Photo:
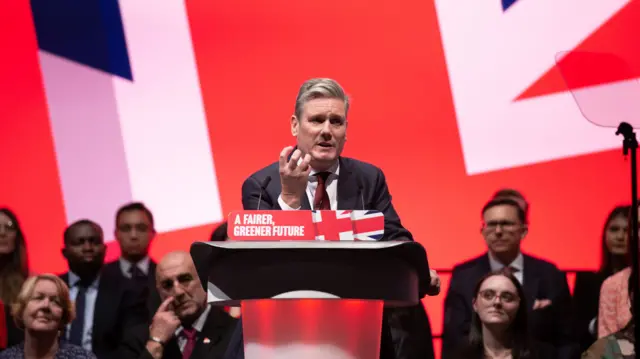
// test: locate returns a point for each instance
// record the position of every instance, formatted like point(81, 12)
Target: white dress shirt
point(89, 307)
point(197, 325)
point(331, 185)
point(517, 264)
point(125, 266)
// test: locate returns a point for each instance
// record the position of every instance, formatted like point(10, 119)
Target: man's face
point(321, 130)
point(85, 248)
point(134, 232)
point(177, 277)
point(502, 229)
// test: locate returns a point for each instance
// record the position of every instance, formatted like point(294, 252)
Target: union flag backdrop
point(175, 102)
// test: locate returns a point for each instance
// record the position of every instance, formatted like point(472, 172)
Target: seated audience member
point(613, 309)
point(185, 326)
point(547, 293)
point(14, 269)
point(43, 309)
point(499, 326)
point(135, 232)
point(106, 307)
point(586, 293)
point(620, 344)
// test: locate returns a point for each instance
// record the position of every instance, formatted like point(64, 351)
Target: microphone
point(361, 190)
point(263, 186)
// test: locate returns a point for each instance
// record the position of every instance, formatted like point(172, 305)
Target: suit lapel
point(103, 313)
point(213, 333)
point(172, 350)
point(531, 281)
point(348, 192)
point(305, 201)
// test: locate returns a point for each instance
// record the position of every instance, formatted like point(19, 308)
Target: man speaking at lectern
point(313, 175)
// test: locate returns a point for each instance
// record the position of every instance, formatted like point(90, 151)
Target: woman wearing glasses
point(499, 322)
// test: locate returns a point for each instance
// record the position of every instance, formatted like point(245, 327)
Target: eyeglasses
point(505, 225)
point(505, 297)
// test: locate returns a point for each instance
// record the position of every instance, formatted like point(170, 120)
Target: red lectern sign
point(306, 225)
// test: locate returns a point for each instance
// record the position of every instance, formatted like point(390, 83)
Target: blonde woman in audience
point(499, 323)
point(43, 309)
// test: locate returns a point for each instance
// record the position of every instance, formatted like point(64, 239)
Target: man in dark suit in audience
point(106, 308)
point(314, 175)
point(546, 289)
point(185, 326)
point(134, 232)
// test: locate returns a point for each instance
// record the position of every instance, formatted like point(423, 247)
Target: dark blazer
point(118, 308)
point(542, 280)
point(212, 342)
point(113, 271)
point(374, 194)
point(360, 186)
point(586, 298)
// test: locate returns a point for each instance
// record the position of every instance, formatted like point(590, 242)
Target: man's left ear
point(525, 231)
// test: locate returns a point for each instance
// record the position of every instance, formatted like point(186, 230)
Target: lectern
point(312, 299)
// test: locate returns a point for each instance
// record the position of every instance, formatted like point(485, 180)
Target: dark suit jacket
point(373, 196)
point(586, 297)
point(118, 308)
point(113, 271)
point(542, 280)
point(360, 186)
point(212, 342)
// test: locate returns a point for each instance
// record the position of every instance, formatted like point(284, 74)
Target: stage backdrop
point(174, 103)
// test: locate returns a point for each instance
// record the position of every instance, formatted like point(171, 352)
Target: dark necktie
point(136, 274)
point(77, 326)
point(190, 334)
point(321, 198)
point(509, 270)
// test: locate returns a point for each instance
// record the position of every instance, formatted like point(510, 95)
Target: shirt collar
point(517, 263)
point(199, 323)
point(334, 170)
point(74, 279)
point(143, 265)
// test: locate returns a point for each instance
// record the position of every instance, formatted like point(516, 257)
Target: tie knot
point(136, 272)
point(322, 176)
point(509, 270)
point(84, 283)
point(189, 333)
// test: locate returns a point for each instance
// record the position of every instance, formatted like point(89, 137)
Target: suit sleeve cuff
point(284, 206)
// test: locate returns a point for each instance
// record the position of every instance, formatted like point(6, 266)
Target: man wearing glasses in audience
point(546, 290)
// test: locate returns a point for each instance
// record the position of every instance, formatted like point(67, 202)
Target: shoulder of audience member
point(468, 265)
point(617, 278)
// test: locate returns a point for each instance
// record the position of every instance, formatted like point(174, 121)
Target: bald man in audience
point(185, 325)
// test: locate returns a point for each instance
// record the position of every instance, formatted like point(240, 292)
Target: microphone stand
point(630, 144)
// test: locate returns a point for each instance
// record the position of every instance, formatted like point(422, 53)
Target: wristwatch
point(156, 339)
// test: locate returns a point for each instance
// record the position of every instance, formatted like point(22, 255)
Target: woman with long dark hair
point(614, 258)
point(14, 268)
point(499, 323)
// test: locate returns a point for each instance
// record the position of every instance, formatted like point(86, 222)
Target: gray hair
point(320, 88)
